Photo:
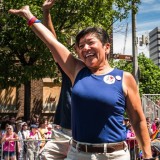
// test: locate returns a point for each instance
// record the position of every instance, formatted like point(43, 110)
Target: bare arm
point(3, 138)
point(66, 60)
point(136, 115)
point(47, 20)
point(15, 137)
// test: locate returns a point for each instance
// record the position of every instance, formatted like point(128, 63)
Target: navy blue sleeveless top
point(63, 111)
point(98, 106)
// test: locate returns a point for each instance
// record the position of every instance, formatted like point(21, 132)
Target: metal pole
point(134, 44)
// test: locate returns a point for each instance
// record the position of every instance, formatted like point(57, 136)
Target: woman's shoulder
point(14, 134)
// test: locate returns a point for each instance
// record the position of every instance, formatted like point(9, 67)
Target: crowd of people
point(29, 140)
point(154, 132)
point(24, 140)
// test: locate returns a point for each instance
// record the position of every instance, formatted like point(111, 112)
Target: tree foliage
point(24, 57)
point(149, 74)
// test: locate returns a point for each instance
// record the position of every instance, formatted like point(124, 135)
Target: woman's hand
point(9, 139)
point(23, 12)
point(48, 4)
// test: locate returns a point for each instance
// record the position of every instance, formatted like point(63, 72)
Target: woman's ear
point(107, 48)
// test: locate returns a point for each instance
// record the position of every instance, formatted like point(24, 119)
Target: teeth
point(90, 54)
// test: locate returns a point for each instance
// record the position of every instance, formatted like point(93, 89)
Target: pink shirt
point(154, 127)
point(9, 146)
point(131, 142)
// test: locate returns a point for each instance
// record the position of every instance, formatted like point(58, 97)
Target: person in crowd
point(149, 126)
point(4, 123)
point(100, 95)
point(131, 141)
point(58, 148)
point(19, 144)
point(24, 133)
point(43, 123)
point(35, 119)
point(156, 134)
point(48, 134)
point(63, 111)
point(13, 122)
point(33, 142)
point(126, 122)
point(25, 130)
point(3, 127)
point(8, 141)
point(154, 128)
point(155, 140)
point(7, 119)
point(148, 119)
point(2, 131)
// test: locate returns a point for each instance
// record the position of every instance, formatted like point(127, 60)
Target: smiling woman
point(100, 96)
point(94, 42)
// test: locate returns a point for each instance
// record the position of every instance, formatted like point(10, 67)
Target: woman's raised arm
point(66, 60)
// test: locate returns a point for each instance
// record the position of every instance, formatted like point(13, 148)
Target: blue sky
point(148, 18)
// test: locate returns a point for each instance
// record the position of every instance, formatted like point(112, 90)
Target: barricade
point(19, 149)
point(133, 147)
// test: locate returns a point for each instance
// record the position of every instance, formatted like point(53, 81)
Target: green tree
point(149, 74)
point(24, 57)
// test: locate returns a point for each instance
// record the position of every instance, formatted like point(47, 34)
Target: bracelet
point(37, 21)
point(32, 21)
point(149, 159)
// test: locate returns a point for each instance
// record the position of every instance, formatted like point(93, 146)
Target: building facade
point(154, 45)
point(44, 98)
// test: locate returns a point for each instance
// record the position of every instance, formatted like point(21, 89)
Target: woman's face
point(34, 130)
point(25, 126)
point(9, 130)
point(92, 52)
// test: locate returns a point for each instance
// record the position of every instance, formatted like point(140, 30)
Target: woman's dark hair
point(42, 120)
point(100, 33)
point(158, 124)
point(3, 125)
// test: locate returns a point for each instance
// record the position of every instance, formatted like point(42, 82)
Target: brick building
point(44, 97)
